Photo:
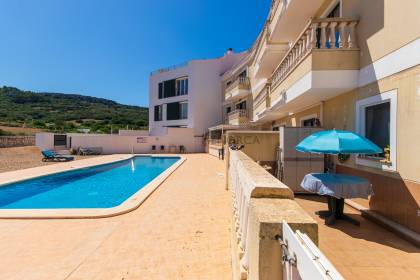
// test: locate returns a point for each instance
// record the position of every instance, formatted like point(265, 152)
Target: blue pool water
point(101, 186)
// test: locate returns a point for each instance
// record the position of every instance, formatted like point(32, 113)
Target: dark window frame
point(158, 113)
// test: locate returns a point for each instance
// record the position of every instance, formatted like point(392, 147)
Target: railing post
point(352, 35)
point(312, 40)
point(301, 47)
point(332, 34)
point(307, 39)
point(343, 36)
point(323, 40)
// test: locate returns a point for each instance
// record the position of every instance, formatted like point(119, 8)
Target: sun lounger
point(53, 156)
point(90, 151)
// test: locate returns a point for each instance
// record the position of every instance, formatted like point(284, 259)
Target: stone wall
point(260, 205)
point(16, 141)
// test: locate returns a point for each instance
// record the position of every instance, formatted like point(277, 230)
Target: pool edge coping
point(130, 204)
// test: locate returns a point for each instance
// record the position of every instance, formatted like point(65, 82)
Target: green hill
point(67, 112)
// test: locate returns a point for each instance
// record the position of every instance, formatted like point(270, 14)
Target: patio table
point(336, 187)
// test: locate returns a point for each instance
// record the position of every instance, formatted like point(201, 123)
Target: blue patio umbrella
point(337, 142)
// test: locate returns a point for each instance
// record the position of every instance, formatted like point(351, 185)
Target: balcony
point(238, 89)
point(267, 54)
point(237, 117)
point(321, 64)
point(262, 101)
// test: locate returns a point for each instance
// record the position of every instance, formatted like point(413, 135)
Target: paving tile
point(180, 232)
point(366, 252)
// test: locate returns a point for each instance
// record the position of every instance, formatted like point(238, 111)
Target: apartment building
point(189, 95)
point(352, 65)
point(236, 93)
point(336, 64)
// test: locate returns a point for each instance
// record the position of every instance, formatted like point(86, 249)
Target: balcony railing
point(238, 113)
point(237, 116)
point(242, 82)
point(325, 34)
point(215, 141)
point(262, 95)
point(166, 69)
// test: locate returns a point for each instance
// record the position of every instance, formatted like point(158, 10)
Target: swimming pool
point(102, 186)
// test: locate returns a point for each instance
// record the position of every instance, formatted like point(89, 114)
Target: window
point(184, 110)
point(335, 12)
point(376, 118)
point(182, 86)
point(242, 74)
point(177, 111)
point(158, 113)
point(228, 110)
point(310, 121)
point(241, 105)
point(168, 88)
point(174, 87)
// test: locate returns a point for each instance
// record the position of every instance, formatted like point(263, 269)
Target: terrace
point(148, 243)
point(143, 243)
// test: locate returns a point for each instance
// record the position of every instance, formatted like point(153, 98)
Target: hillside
point(67, 112)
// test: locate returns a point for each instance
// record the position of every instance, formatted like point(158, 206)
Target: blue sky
point(107, 48)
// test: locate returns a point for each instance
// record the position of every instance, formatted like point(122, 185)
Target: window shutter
point(160, 90)
point(173, 111)
point(169, 88)
point(157, 113)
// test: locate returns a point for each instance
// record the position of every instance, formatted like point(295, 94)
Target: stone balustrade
point(262, 95)
point(260, 205)
point(240, 81)
point(237, 116)
point(323, 34)
point(238, 113)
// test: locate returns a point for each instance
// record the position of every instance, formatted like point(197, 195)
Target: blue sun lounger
point(53, 156)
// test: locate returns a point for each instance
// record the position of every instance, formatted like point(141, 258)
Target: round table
point(336, 187)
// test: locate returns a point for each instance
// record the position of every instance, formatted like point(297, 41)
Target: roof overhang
point(291, 17)
point(268, 58)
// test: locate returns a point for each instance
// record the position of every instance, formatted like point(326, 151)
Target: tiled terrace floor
point(365, 252)
point(180, 232)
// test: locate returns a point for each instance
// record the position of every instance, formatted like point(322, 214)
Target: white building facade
point(189, 95)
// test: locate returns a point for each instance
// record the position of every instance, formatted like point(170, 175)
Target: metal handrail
point(169, 68)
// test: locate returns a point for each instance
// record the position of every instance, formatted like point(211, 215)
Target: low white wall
point(44, 140)
point(118, 144)
point(127, 132)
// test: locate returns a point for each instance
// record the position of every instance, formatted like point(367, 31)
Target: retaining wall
point(16, 141)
